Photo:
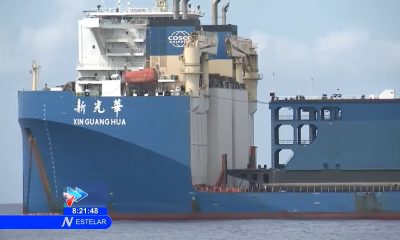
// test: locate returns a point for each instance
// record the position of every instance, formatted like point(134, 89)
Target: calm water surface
point(225, 230)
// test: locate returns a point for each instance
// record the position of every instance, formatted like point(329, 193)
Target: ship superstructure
point(160, 125)
point(117, 39)
point(187, 58)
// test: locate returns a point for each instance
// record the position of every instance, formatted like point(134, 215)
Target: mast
point(35, 75)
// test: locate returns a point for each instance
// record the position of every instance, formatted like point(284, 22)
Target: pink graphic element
point(69, 199)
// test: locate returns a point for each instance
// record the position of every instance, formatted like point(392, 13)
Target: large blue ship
point(159, 125)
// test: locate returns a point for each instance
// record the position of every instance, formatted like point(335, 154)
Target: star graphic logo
point(74, 195)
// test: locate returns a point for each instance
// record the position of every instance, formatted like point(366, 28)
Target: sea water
point(225, 230)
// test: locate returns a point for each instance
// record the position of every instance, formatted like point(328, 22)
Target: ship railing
point(125, 40)
point(208, 188)
point(332, 97)
point(316, 188)
point(131, 49)
point(285, 117)
point(226, 84)
point(196, 12)
point(310, 188)
point(305, 117)
point(117, 39)
point(140, 10)
point(122, 10)
point(110, 65)
point(285, 141)
point(123, 21)
point(302, 117)
point(291, 141)
point(161, 10)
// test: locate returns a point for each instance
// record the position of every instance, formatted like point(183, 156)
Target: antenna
point(312, 86)
point(273, 80)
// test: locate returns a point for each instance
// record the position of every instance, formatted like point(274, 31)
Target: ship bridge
point(112, 40)
point(140, 12)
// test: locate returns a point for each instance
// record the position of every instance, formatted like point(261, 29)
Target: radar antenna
point(162, 5)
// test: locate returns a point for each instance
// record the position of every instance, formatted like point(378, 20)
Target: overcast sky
point(351, 45)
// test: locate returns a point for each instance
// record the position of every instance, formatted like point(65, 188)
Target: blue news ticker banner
point(73, 218)
point(54, 222)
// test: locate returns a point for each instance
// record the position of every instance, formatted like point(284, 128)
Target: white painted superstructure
point(114, 39)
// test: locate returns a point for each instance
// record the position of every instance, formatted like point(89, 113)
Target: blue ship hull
point(138, 165)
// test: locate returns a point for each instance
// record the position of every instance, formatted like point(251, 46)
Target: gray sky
point(351, 45)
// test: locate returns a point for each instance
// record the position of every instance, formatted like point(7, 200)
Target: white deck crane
point(245, 58)
point(195, 60)
point(195, 68)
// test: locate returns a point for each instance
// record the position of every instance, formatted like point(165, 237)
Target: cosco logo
point(178, 38)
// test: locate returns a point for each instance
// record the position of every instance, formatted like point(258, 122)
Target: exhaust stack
point(185, 9)
point(215, 12)
point(175, 6)
point(224, 11)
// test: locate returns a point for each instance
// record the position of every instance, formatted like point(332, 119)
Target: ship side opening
point(285, 113)
point(307, 113)
point(306, 133)
point(283, 157)
point(331, 113)
point(285, 134)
